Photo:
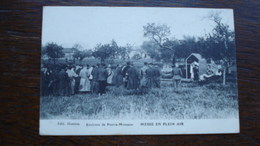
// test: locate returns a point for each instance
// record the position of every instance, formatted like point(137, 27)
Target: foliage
point(123, 52)
point(80, 55)
point(152, 49)
point(105, 51)
point(157, 33)
point(136, 56)
point(221, 42)
point(218, 45)
point(112, 51)
point(53, 51)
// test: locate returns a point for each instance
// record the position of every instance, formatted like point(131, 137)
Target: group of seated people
point(211, 69)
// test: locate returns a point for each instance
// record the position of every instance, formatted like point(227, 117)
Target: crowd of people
point(67, 80)
point(64, 80)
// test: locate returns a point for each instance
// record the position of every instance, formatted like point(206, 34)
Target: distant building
point(199, 60)
point(69, 53)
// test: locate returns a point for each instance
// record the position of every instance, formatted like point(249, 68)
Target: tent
point(199, 59)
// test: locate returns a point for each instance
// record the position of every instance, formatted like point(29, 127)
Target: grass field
point(211, 101)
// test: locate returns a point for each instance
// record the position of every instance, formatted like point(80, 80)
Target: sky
point(89, 26)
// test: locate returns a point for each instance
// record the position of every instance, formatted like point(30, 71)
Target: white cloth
point(191, 71)
point(90, 73)
point(71, 73)
point(110, 76)
point(84, 84)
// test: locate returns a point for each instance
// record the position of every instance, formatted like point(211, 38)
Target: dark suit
point(156, 76)
point(124, 70)
point(77, 81)
point(133, 78)
point(94, 85)
point(102, 79)
point(149, 76)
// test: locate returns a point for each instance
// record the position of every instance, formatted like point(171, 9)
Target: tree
point(53, 51)
point(222, 43)
point(122, 52)
point(80, 55)
point(77, 47)
point(136, 56)
point(105, 51)
point(152, 49)
point(159, 34)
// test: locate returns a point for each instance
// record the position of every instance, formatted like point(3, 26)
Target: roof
point(198, 56)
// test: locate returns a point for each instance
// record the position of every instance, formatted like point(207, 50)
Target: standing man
point(77, 79)
point(63, 82)
point(177, 74)
point(118, 76)
point(133, 78)
point(102, 79)
point(143, 82)
point(124, 70)
point(149, 76)
point(157, 75)
point(94, 82)
point(71, 75)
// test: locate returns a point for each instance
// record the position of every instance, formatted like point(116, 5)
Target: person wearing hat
point(110, 77)
point(124, 70)
point(143, 81)
point(177, 74)
point(102, 79)
point(94, 86)
point(118, 76)
point(84, 80)
point(156, 76)
point(133, 77)
point(77, 79)
point(149, 76)
point(71, 74)
point(196, 71)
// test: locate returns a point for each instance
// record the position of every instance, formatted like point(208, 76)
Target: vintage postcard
point(138, 71)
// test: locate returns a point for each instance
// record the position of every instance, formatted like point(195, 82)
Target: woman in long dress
point(84, 80)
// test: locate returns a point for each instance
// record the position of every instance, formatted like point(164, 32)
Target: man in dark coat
point(77, 79)
point(149, 76)
point(124, 70)
point(102, 79)
point(94, 86)
point(177, 74)
point(63, 83)
point(133, 78)
point(156, 76)
point(118, 76)
point(143, 81)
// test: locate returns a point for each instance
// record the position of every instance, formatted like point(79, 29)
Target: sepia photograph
point(138, 64)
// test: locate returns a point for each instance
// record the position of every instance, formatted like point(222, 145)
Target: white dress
point(84, 80)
